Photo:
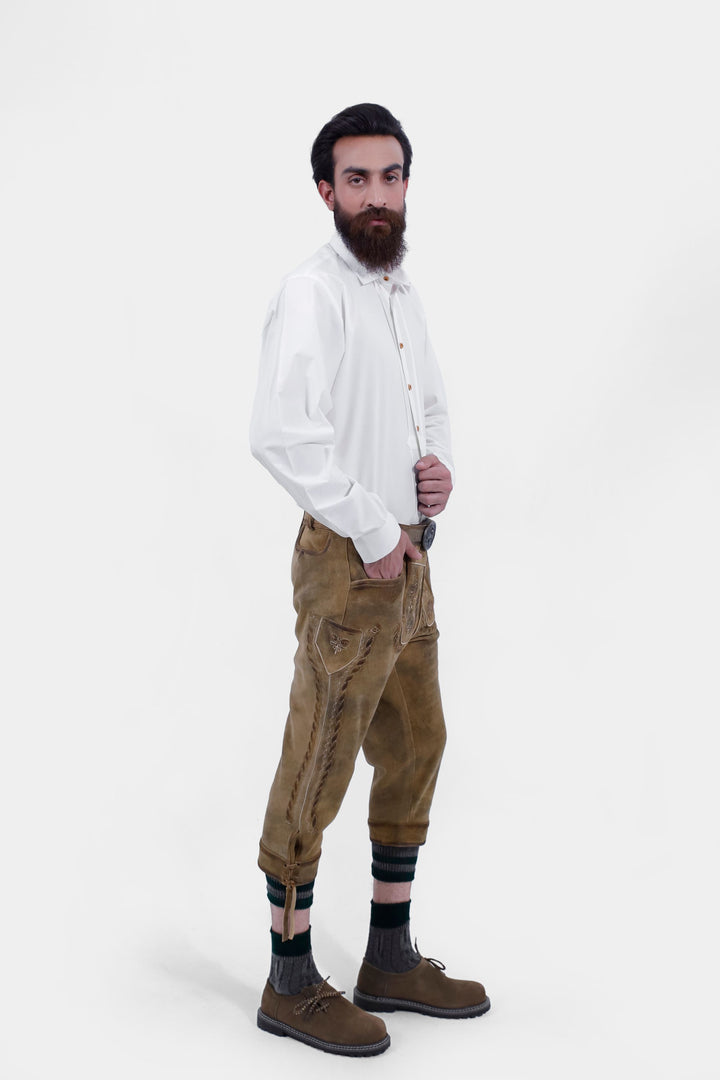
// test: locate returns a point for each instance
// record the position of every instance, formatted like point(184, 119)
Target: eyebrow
point(366, 172)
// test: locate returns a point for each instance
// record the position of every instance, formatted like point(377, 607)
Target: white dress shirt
point(349, 397)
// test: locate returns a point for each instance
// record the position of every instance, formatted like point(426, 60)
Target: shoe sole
point(276, 1027)
point(385, 1004)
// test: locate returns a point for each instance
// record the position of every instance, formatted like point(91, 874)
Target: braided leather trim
point(334, 715)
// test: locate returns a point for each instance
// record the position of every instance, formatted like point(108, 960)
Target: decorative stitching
point(337, 644)
point(335, 711)
point(315, 724)
point(411, 614)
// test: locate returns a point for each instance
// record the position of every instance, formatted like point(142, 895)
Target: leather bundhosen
point(366, 676)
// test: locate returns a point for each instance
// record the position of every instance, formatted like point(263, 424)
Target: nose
point(376, 194)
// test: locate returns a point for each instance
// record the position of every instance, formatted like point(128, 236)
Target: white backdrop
point(565, 237)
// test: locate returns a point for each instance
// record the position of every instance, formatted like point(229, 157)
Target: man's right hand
point(391, 565)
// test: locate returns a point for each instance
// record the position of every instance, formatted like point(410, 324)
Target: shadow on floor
point(181, 962)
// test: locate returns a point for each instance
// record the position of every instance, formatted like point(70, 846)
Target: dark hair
point(364, 119)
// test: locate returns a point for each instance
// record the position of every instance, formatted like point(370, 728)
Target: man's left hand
point(433, 485)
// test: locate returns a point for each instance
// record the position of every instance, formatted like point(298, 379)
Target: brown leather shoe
point(320, 1016)
point(424, 989)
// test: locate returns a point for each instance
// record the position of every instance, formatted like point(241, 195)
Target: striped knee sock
point(389, 946)
point(391, 863)
point(292, 966)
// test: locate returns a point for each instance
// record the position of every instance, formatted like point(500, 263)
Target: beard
point(377, 247)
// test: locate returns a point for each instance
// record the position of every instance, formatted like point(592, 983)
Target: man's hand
point(433, 485)
point(391, 565)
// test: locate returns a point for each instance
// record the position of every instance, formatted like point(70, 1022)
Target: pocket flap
point(338, 645)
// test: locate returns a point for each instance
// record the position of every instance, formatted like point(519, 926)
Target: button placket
point(406, 361)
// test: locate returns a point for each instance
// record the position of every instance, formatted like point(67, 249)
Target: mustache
point(380, 213)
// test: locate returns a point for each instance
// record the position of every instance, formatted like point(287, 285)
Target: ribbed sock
point(292, 966)
point(276, 893)
point(389, 946)
point(393, 862)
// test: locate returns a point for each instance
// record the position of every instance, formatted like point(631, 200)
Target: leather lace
point(430, 959)
point(319, 1000)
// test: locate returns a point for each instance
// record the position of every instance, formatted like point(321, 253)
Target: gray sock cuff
point(394, 863)
point(276, 893)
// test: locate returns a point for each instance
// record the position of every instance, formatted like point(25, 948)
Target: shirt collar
point(396, 277)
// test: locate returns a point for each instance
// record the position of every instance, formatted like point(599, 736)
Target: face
point(368, 173)
point(367, 198)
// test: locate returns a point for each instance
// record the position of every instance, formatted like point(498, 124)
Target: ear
point(405, 184)
point(327, 194)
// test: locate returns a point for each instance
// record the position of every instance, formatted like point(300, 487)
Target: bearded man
point(350, 417)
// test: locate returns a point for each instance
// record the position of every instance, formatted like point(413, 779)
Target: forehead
point(372, 152)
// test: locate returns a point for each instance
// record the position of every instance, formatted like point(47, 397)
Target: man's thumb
point(411, 551)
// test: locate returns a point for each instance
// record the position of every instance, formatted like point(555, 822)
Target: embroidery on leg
point(336, 704)
point(330, 649)
point(320, 679)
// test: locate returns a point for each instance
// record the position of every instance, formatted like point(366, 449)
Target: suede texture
point(424, 984)
point(336, 1021)
point(366, 676)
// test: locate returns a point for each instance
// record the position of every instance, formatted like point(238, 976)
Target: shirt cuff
point(378, 543)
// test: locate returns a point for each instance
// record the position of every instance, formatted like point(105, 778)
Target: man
point(350, 417)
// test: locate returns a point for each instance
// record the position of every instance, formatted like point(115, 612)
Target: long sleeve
point(437, 424)
point(292, 431)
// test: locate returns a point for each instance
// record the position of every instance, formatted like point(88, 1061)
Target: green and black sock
point(389, 946)
point(292, 966)
point(276, 893)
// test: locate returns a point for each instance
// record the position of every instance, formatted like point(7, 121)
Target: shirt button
point(409, 386)
point(401, 345)
point(385, 277)
point(418, 427)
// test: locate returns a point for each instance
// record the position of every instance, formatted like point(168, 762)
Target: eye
point(392, 177)
point(356, 180)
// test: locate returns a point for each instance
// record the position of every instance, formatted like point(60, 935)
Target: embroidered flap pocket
point(338, 645)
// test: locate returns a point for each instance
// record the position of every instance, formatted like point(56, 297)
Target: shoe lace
point(430, 959)
point(319, 1000)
